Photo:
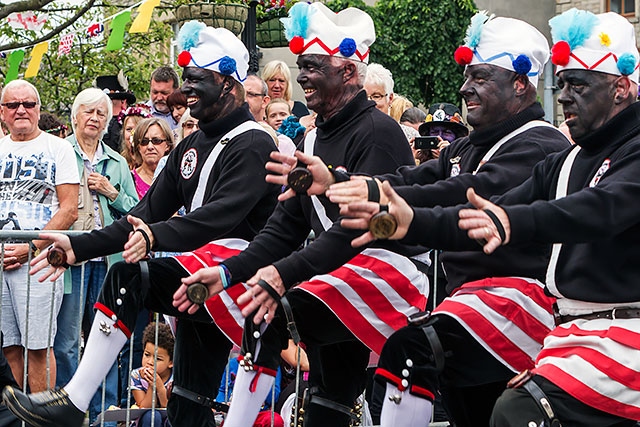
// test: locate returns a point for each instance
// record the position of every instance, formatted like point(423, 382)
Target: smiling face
point(203, 89)
point(489, 93)
point(587, 100)
point(22, 122)
point(90, 122)
point(323, 83)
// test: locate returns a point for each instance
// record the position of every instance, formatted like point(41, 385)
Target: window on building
point(623, 7)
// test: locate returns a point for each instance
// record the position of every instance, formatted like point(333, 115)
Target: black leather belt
point(616, 313)
point(198, 398)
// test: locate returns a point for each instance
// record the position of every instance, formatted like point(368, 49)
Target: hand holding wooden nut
point(57, 257)
point(383, 224)
point(300, 179)
point(197, 293)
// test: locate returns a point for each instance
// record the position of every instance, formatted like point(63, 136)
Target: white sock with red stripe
point(249, 393)
point(409, 411)
point(100, 351)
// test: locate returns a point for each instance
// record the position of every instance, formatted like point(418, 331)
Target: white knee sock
point(411, 411)
point(245, 404)
point(100, 352)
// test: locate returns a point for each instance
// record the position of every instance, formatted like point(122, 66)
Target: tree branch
point(52, 33)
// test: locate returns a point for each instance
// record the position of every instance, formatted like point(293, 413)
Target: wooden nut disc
point(57, 257)
point(197, 293)
point(383, 225)
point(300, 179)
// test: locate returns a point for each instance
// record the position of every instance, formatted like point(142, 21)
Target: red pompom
point(560, 53)
point(184, 58)
point(296, 45)
point(463, 55)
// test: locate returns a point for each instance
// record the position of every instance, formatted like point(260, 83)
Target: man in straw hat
point(340, 311)
point(477, 340)
point(217, 174)
point(582, 201)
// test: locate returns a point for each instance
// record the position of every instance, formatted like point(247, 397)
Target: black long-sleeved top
point(431, 184)
point(358, 139)
point(599, 226)
point(237, 200)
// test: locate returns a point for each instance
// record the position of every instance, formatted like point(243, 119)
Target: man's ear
point(350, 71)
point(520, 84)
point(228, 84)
point(622, 89)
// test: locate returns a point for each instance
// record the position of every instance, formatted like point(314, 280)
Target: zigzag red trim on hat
point(591, 67)
point(332, 52)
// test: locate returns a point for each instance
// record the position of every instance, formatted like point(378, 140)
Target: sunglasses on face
point(155, 141)
point(189, 125)
point(15, 105)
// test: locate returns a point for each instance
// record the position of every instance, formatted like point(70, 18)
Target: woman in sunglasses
point(152, 140)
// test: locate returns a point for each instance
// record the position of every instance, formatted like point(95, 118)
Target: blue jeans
point(158, 421)
point(70, 318)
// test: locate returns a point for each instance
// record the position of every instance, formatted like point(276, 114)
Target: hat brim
point(128, 96)
point(460, 130)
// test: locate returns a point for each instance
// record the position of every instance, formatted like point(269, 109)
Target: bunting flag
point(36, 58)
point(116, 39)
point(142, 21)
point(26, 21)
point(14, 60)
point(29, 21)
point(66, 43)
point(94, 29)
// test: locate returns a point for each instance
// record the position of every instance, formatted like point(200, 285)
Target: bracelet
point(497, 223)
point(373, 190)
point(145, 236)
point(34, 249)
point(225, 276)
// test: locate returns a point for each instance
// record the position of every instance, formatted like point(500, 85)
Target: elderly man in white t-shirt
point(39, 189)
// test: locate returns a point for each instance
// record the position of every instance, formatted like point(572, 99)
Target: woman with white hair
point(379, 87)
point(106, 193)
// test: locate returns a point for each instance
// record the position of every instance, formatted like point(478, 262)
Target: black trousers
point(516, 408)
point(337, 359)
point(471, 380)
point(201, 349)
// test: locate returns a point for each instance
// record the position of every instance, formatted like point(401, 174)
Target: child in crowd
point(276, 111)
point(142, 378)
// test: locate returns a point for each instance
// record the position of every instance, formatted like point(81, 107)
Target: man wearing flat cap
point(218, 175)
point(117, 89)
point(343, 305)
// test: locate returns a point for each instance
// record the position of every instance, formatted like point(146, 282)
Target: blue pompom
point(227, 66)
point(291, 127)
point(189, 35)
point(573, 26)
point(347, 47)
point(627, 64)
point(298, 21)
point(521, 65)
